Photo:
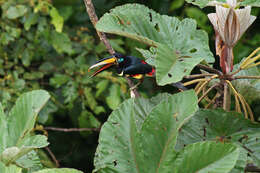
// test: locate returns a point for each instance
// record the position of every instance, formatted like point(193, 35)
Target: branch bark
point(94, 19)
point(102, 36)
point(53, 157)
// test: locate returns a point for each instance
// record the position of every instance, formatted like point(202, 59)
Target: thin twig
point(131, 85)
point(213, 100)
point(240, 97)
point(198, 86)
point(94, 19)
point(205, 84)
point(209, 69)
point(194, 81)
point(246, 77)
point(235, 72)
point(52, 157)
point(71, 129)
point(206, 93)
point(248, 60)
point(206, 97)
point(194, 76)
point(102, 36)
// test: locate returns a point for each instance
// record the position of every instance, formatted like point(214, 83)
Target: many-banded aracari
point(128, 66)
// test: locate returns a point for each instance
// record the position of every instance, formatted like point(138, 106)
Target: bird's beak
point(106, 63)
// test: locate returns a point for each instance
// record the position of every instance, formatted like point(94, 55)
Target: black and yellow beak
point(106, 63)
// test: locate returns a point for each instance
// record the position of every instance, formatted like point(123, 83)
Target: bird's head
point(116, 59)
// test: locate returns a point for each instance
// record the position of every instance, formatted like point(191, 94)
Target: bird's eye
point(120, 60)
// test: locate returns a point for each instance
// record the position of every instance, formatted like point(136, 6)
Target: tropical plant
point(18, 142)
point(50, 44)
point(156, 136)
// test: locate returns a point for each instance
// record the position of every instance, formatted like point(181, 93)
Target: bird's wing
point(138, 68)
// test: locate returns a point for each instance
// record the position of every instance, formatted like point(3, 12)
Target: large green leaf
point(204, 3)
point(204, 157)
point(117, 135)
point(169, 69)
point(21, 118)
point(159, 132)
point(59, 170)
point(11, 154)
point(218, 125)
point(180, 39)
point(141, 129)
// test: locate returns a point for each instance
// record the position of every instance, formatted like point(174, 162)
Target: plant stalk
point(227, 97)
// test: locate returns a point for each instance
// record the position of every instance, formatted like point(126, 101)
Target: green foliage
point(177, 42)
point(227, 127)
point(51, 44)
point(38, 51)
point(144, 136)
point(14, 12)
point(130, 127)
point(206, 157)
point(16, 141)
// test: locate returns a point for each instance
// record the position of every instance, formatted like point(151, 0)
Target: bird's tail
point(180, 86)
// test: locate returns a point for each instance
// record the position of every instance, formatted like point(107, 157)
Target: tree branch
point(94, 19)
point(52, 157)
point(71, 129)
point(206, 93)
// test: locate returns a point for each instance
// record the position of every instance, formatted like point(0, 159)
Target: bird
point(129, 66)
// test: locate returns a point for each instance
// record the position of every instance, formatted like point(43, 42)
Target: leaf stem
point(213, 100)
point(247, 60)
point(246, 77)
point(209, 69)
point(226, 98)
point(198, 76)
point(206, 93)
point(205, 83)
point(53, 157)
point(194, 81)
